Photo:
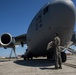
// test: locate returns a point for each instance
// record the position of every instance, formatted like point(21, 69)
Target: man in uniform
point(57, 52)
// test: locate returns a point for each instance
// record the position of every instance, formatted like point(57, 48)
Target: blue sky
point(15, 17)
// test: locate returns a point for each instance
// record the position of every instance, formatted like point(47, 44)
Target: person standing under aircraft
point(57, 52)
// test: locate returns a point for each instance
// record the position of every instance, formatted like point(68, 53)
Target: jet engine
point(6, 40)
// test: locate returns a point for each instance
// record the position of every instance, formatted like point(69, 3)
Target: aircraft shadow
point(35, 62)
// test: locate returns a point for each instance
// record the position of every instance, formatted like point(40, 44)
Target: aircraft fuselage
point(54, 17)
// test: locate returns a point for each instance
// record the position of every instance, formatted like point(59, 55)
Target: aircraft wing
point(21, 39)
point(6, 40)
point(72, 42)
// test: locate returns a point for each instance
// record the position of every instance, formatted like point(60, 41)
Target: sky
point(15, 17)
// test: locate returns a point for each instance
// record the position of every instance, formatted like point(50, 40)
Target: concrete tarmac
point(39, 66)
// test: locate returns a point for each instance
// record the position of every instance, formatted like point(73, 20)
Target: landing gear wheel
point(24, 58)
point(63, 56)
point(31, 58)
point(48, 57)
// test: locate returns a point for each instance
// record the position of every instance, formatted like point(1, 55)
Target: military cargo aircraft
point(57, 16)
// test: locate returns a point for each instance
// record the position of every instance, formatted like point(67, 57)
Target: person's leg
point(60, 62)
point(56, 63)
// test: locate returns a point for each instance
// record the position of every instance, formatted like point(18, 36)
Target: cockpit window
point(45, 10)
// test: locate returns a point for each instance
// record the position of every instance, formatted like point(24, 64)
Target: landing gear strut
point(13, 49)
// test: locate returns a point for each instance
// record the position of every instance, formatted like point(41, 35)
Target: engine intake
point(6, 39)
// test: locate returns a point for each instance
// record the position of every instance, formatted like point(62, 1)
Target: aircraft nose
point(65, 15)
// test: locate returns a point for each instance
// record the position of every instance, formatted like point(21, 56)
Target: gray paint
point(60, 18)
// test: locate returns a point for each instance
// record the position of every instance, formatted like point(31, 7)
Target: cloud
point(17, 46)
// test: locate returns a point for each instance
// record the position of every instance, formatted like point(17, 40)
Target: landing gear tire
point(63, 56)
point(27, 58)
point(48, 57)
point(31, 58)
point(24, 58)
point(50, 54)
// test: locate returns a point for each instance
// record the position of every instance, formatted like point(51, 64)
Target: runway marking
point(70, 65)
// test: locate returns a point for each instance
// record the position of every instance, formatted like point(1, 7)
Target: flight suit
point(57, 53)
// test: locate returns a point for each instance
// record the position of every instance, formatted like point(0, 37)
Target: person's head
point(56, 34)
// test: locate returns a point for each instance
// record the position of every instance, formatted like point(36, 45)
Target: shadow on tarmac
point(46, 68)
point(35, 63)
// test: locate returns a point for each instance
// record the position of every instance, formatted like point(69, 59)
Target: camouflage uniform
point(57, 52)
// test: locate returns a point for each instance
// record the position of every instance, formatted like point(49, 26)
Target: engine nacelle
point(6, 40)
